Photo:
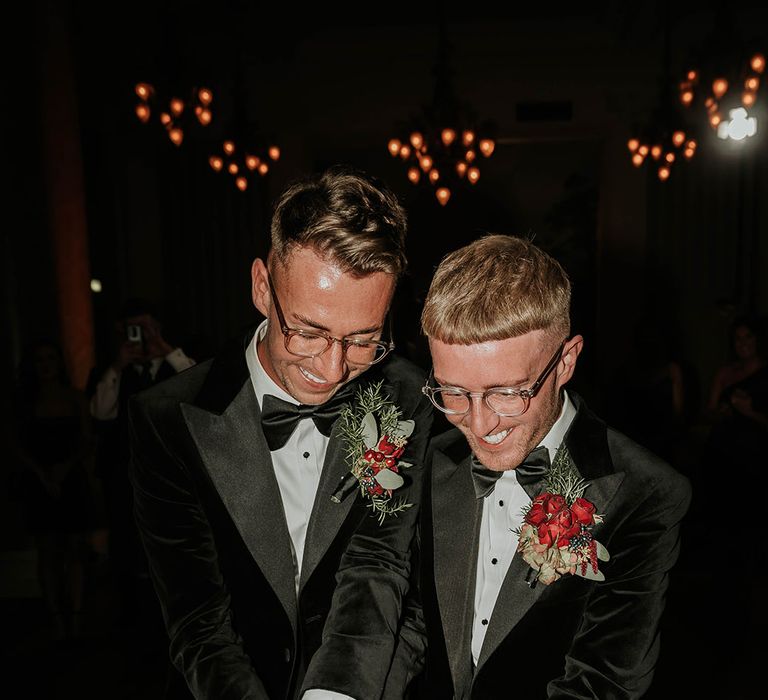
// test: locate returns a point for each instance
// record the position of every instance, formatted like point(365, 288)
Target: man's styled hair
point(345, 215)
point(495, 288)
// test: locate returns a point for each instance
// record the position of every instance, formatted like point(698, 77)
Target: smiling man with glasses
point(274, 581)
point(546, 538)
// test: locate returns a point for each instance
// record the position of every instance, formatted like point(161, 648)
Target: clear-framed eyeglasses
point(313, 343)
point(503, 400)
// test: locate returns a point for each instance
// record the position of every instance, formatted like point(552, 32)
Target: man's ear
point(567, 364)
point(260, 287)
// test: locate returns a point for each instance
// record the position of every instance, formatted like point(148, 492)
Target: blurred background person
point(142, 357)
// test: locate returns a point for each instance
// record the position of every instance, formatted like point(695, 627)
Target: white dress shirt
point(503, 513)
point(298, 465)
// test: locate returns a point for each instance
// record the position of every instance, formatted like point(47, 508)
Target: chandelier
point(443, 146)
point(174, 114)
point(240, 162)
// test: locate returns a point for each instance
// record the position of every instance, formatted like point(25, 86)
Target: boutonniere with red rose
point(376, 438)
point(556, 535)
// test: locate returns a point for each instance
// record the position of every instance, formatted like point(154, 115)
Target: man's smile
point(496, 438)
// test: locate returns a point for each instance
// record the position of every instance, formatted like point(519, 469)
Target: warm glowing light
point(678, 138)
point(417, 140)
point(443, 194)
point(691, 144)
point(461, 168)
point(177, 106)
point(216, 163)
point(637, 160)
point(274, 153)
point(487, 146)
point(263, 169)
point(473, 175)
point(643, 150)
point(663, 173)
point(688, 153)
point(468, 137)
point(394, 147)
point(144, 90)
point(176, 135)
point(233, 169)
point(205, 96)
point(426, 163)
point(656, 152)
point(142, 112)
point(687, 97)
point(633, 145)
point(165, 118)
point(241, 183)
point(719, 87)
point(405, 151)
point(758, 63)
point(434, 176)
point(448, 136)
point(95, 286)
point(252, 162)
point(229, 147)
point(204, 116)
point(747, 98)
point(752, 83)
point(414, 175)
point(470, 156)
point(715, 119)
point(670, 157)
point(692, 75)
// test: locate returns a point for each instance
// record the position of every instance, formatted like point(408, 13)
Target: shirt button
point(501, 503)
point(484, 622)
point(306, 455)
point(494, 561)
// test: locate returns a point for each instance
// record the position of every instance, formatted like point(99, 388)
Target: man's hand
point(128, 353)
point(156, 345)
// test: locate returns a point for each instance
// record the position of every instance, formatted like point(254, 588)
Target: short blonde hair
point(495, 288)
point(346, 216)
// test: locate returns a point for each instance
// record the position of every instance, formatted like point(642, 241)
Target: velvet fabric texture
point(209, 510)
point(572, 639)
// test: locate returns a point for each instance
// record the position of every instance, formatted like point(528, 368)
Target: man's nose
point(481, 419)
point(332, 364)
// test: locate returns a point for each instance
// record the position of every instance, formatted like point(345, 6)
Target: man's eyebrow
point(507, 385)
point(319, 326)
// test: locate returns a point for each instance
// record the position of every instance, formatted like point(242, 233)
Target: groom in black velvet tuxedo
point(273, 581)
point(494, 621)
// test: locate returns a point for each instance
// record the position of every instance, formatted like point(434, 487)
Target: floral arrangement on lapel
point(375, 440)
point(556, 535)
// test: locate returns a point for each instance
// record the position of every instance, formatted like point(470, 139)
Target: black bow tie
point(529, 473)
point(280, 418)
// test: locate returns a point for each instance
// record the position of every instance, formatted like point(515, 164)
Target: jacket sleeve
point(615, 649)
point(373, 578)
point(183, 562)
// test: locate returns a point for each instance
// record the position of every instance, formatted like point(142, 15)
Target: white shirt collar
point(554, 438)
point(262, 382)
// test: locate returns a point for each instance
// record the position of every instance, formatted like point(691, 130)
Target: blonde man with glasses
point(279, 575)
point(546, 537)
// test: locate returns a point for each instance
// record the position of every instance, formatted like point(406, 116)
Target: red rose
point(536, 514)
point(398, 452)
point(554, 504)
point(548, 533)
point(567, 526)
point(583, 510)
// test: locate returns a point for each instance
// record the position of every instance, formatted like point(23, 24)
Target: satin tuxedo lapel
point(225, 425)
point(456, 515)
point(587, 443)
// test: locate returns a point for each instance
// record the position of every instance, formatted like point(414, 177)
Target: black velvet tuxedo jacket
point(209, 510)
point(572, 639)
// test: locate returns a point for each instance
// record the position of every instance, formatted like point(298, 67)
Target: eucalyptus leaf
point(590, 574)
point(370, 431)
point(602, 552)
point(404, 465)
point(389, 480)
point(405, 427)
